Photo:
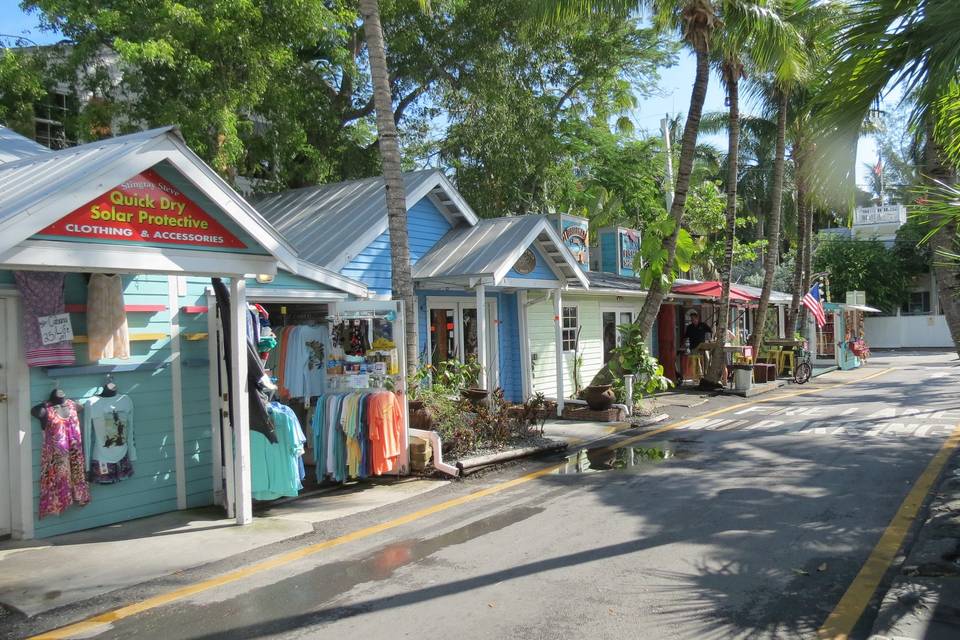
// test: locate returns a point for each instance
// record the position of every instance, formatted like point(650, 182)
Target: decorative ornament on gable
point(526, 263)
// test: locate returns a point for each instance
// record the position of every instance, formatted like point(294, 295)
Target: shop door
point(609, 319)
point(443, 335)
point(471, 344)
point(7, 451)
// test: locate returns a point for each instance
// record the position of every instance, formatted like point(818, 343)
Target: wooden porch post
point(239, 391)
point(482, 334)
point(558, 338)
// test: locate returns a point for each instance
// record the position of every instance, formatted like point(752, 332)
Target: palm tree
point(820, 24)
point(401, 272)
point(758, 34)
point(696, 20)
point(914, 44)
point(790, 69)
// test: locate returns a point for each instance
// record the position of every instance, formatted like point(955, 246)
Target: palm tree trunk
point(800, 261)
point(401, 277)
point(945, 270)
point(773, 235)
point(688, 147)
point(718, 361)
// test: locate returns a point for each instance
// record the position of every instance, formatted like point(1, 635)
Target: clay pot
point(599, 397)
point(421, 417)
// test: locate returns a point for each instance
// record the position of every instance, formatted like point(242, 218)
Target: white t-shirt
point(108, 429)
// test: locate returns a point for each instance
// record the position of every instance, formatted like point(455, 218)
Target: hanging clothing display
point(108, 439)
point(62, 470)
point(357, 434)
point(299, 361)
point(41, 296)
point(256, 398)
point(107, 330)
point(276, 469)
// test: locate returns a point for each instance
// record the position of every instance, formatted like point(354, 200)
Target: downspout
point(438, 462)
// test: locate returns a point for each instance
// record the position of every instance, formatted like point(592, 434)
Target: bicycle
point(803, 368)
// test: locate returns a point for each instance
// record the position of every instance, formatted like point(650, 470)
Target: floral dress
point(62, 475)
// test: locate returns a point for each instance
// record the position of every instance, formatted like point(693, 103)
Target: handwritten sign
point(55, 329)
point(146, 209)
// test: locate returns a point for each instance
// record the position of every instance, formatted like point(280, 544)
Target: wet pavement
point(750, 523)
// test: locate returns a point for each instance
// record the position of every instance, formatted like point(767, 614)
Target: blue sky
point(673, 97)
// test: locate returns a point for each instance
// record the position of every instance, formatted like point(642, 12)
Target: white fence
point(907, 331)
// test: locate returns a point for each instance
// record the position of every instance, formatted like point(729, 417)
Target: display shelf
point(134, 337)
point(127, 367)
point(195, 309)
point(202, 335)
point(129, 308)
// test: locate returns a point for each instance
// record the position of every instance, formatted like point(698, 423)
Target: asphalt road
point(752, 526)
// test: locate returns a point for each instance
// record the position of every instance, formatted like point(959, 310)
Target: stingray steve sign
point(146, 209)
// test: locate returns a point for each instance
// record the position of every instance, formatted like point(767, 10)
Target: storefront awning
point(713, 290)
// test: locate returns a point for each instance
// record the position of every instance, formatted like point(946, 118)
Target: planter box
point(764, 372)
point(586, 414)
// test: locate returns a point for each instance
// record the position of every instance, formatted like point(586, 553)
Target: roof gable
point(491, 248)
point(331, 224)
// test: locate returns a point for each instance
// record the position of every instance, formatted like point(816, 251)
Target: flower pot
point(599, 397)
point(474, 395)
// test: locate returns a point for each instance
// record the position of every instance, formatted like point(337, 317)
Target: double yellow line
point(92, 624)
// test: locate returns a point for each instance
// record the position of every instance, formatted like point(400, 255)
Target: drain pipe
point(438, 462)
point(628, 392)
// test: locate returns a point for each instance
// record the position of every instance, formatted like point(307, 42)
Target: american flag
point(812, 301)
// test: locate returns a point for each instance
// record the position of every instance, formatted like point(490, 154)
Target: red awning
point(713, 290)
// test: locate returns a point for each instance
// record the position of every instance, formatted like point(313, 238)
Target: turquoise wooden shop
point(195, 227)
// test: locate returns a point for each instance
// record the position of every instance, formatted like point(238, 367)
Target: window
point(53, 119)
point(918, 304)
point(568, 331)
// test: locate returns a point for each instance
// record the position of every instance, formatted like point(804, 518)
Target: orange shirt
point(385, 424)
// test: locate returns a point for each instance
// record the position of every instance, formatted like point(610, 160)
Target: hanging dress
point(106, 318)
point(62, 470)
point(41, 294)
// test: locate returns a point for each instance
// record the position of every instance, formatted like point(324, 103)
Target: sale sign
point(146, 209)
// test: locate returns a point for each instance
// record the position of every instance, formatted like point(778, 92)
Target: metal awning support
point(558, 339)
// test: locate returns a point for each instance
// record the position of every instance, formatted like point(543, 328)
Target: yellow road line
point(94, 622)
point(844, 617)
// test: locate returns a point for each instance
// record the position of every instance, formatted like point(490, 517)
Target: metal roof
point(330, 224)
point(492, 247)
point(14, 146)
point(601, 280)
point(38, 188)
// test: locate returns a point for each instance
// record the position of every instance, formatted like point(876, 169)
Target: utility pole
point(668, 152)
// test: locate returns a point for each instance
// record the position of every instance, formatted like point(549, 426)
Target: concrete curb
point(921, 602)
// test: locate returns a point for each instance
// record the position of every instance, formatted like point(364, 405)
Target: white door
point(7, 450)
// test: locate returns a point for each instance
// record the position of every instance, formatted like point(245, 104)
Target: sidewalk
point(37, 576)
point(923, 602)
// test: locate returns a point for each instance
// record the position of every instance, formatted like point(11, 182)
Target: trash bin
point(742, 377)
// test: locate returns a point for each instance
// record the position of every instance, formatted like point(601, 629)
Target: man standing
point(696, 332)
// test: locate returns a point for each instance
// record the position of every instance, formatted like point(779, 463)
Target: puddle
point(629, 458)
point(309, 590)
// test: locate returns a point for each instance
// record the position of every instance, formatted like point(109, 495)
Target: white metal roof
point(39, 189)
point(492, 247)
point(14, 146)
point(330, 224)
